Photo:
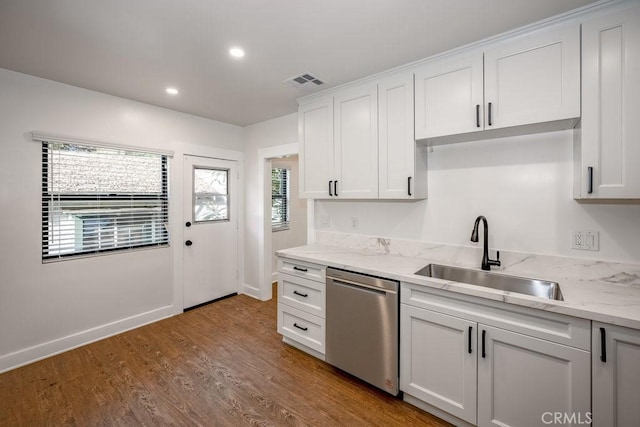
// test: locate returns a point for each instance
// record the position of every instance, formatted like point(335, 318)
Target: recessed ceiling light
point(236, 52)
point(172, 91)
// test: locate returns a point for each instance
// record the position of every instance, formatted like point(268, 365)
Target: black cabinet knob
point(188, 224)
point(188, 243)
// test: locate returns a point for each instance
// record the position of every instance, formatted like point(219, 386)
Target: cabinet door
point(315, 129)
point(449, 96)
point(616, 375)
point(356, 143)
point(524, 381)
point(533, 78)
point(610, 106)
point(397, 147)
point(438, 360)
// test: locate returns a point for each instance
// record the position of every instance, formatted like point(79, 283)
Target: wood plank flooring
point(219, 365)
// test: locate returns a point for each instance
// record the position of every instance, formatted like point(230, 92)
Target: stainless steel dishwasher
point(362, 327)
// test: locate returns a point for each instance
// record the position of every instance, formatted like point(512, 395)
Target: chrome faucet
point(486, 262)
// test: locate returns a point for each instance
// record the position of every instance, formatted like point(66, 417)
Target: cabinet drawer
point(303, 294)
point(302, 327)
point(302, 269)
point(558, 328)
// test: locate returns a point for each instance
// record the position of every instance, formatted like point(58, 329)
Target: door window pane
point(210, 194)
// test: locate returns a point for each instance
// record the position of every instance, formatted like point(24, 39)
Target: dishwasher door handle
point(362, 286)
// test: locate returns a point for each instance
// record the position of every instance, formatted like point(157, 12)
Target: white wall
point(47, 308)
point(296, 235)
point(523, 185)
point(278, 131)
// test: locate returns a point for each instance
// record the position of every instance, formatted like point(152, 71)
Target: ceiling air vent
point(304, 81)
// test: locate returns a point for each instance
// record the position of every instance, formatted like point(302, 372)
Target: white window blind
point(280, 199)
point(97, 199)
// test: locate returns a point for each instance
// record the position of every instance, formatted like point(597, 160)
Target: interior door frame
point(264, 290)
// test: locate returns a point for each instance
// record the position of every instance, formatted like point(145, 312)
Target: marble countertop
point(601, 291)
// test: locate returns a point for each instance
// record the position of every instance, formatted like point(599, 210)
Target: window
point(210, 194)
point(280, 199)
point(98, 199)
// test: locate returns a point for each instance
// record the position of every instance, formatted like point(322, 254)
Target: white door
point(438, 360)
point(524, 381)
point(356, 143)
point(449, 96)
point(210, 229)
point(534, 78)
point(315, 128)
point(616, 375)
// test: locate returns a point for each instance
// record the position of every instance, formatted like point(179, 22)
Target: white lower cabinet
point(525, 381)
point(301, 305)
point(616, 376)
point(486, 375)
point(438, 360)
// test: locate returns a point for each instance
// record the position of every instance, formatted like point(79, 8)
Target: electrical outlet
point(588, 240)
point(325, 221)
point(354, 222)
point(578, 240)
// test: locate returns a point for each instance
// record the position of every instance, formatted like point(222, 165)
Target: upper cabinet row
point(361, 142)
point(525, 80)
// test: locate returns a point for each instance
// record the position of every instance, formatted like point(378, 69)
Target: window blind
point(280, 199)
point(97, 199)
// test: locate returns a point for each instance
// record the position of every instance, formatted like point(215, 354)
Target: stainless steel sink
point(520, 285)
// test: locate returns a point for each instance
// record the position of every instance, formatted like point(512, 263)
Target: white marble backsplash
point(468, 256)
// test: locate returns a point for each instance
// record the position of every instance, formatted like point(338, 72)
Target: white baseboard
point(274, 276)
point(41, 351)
point(251, 291)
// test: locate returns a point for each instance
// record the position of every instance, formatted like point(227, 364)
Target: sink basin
point(520, 285)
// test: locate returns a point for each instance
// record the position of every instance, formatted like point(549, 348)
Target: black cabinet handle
point(295, 267)
point(489, 113)
point(302, 295)
point(590, 173)
point(478, 115)
point(330, 193)
point(335, 188)
point(188, 224)
point(603, 346)
point(409, 186)
point(470, 331)
point(188, 243)
point(484, 354)
point(300, 327)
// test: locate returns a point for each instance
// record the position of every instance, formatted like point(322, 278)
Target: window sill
point(276, 229)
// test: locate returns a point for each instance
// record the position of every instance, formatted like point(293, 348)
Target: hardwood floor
point(219, 365)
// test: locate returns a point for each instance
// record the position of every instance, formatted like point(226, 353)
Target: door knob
point(188, 224)
point(188, 243)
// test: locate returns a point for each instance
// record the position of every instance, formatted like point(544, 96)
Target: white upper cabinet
point(607, 146)
point(449, 96)
point(533, 78)
point(315, 131)
point(356, 143)
point(527, 83)
point(402, 166)
point(359, 144)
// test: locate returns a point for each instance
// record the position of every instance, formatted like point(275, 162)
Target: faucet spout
point(486, 261)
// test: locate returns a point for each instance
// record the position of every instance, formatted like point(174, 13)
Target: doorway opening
point(266, 252)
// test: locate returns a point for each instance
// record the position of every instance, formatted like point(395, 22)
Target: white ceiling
point(136, 48)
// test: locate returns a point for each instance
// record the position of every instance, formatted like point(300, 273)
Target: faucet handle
point(496, 261)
